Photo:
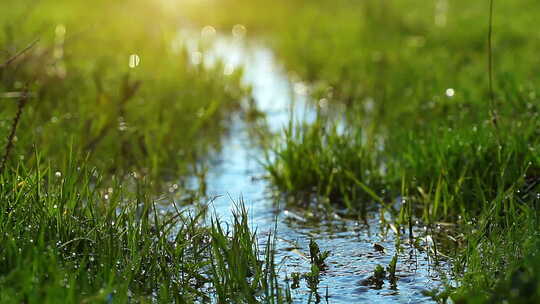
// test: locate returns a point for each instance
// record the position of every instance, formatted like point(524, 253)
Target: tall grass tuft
point(62, 238)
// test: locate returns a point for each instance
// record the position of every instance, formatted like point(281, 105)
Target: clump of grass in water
point(235, 262)
point(311, 162)
point(312, 278)
point(380, 274)
point(317, 257)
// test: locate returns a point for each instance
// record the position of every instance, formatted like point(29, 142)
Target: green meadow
point(427, 111)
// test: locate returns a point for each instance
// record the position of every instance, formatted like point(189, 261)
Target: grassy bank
point(421, 122)
point(101, 105)
point(63, 241)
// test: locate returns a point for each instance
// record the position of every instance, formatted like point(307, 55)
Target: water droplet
point(196, 57)
point(60, 30)
point(369, 104)
point(323, 103)
point(441, 11)
point(208, 32)
point(200, 112)
point(134, 60)
point(300, 88)
point(229, 69)
point(239, 31)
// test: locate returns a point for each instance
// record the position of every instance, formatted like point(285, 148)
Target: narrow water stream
point(237, 174)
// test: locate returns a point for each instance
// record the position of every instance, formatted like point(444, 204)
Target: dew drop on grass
point(208, 32)
point(239, 31)
point(228, 70)
point(323, 103)
point(196, 57)
point(441, 11)
point(134, 61)
point(300, 88)
point(200, 112)
point(60, 30)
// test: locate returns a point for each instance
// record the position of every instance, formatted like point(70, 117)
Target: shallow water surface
point(237, 174)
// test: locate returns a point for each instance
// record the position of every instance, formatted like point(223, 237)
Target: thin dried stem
point(20, 53)
point(11, 138)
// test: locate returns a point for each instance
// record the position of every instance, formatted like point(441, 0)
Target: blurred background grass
point(156, 118)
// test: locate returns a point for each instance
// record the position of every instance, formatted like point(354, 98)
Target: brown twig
point(11, 137)
point(18, 54)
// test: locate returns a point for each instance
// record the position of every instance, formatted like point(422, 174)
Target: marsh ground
point(407, 120)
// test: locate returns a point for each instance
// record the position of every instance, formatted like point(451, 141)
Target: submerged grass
point(304, 167)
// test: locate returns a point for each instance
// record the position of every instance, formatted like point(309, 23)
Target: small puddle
point(237, 174)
